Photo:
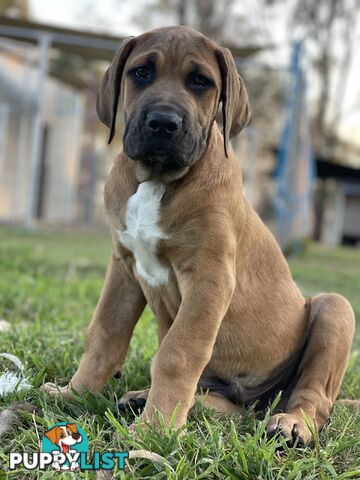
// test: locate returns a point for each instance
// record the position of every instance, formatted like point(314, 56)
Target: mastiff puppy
point(233, 327)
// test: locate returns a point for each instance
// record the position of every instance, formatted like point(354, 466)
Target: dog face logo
point(65, 441)
point(64, 436)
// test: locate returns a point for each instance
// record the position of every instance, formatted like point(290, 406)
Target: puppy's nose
point(163, 123)
point(76, 436)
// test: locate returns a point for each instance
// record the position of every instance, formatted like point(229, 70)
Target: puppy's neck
point(144, 173)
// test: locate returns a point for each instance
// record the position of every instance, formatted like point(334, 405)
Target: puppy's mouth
point(161, 162)
point(65, 448)
point(158, 157)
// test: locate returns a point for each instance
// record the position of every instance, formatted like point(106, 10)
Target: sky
point(125, 17)
point(114, 16)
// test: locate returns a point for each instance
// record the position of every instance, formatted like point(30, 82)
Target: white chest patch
point(142, 233)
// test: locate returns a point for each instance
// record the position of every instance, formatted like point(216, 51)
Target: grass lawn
point(49, 286)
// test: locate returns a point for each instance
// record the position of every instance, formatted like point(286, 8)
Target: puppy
point(233, 326)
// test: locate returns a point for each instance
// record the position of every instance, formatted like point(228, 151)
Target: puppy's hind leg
point(321, 370)
point(119, 308)
point(135, 401)
point(219, 403)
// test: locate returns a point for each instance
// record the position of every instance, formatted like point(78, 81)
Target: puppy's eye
point(199, 82)
point(62, 434)
point(141, 72)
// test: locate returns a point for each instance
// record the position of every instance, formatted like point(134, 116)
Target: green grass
point(49, 286)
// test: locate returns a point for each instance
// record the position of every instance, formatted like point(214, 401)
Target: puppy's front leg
point(120, 306)
point(188, 345)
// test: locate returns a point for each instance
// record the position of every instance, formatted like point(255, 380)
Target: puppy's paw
point(133, 401)
point(55, 390)
point(291, 426)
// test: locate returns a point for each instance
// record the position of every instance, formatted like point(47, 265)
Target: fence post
point(284, 193)
point(44, 43)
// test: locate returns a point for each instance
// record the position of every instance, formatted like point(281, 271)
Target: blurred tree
point(328, 28)
point(181, 7)
point(349, 36)
point(320, 20)
point(169, 11)
point(14, 8)
point(210, 16)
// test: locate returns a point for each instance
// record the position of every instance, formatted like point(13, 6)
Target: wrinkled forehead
point(175, 48)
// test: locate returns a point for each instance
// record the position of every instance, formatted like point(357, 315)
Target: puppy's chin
point(167, 161)
point(159, 165)
point(146, 172)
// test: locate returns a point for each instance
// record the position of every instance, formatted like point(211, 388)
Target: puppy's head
point(170, 82)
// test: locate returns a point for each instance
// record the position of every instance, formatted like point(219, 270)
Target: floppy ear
point(72, 427)
point(109, 92)
point(235, 102)
point(53, 435)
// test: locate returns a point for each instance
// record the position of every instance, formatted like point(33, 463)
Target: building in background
point(63, 117)
point(338, 195)
point(51, 156)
